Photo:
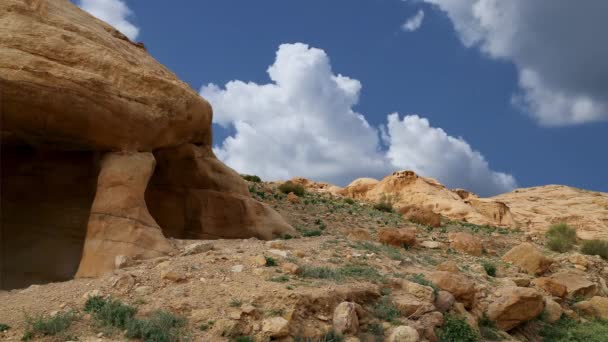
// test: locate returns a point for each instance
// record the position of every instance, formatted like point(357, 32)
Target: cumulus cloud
point(556, 46)
point(113, 12)
point(302, 123)
point(413, 23)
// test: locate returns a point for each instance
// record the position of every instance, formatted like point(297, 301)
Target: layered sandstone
point(88, 118)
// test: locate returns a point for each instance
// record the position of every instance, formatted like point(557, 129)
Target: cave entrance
point(46, 198)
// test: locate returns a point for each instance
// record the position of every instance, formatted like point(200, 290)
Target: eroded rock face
point(87, 113)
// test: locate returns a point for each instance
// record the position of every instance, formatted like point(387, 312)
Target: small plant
point(270, 261)
point(275, 312)
point(349, 201)
point(456, 329)
point(4, 327)
point(243, 339)
point(41, 326)
point(206, 326)
point(161, 326)
point(488, 329)
point(569, 330)
point(110, 312)
point(420, 279)
point(596, 247)
point(252, 178)
point(290, 186)
point(235, 302)
point(386, 310)
point(280, 279)
point(490, 267)
point(384, 206)
point(560, 237)
point(311, 233)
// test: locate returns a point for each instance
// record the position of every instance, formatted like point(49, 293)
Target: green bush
point(110, 312)
point(456, 329)
point(488, 329)
point(560, 237)
point(568, 330)
point(270, 261)
point(252, 178)
point(41, 326)
point(4, 327)
point(243, 339)
point(348, 271)
point(160, 326)
point(386, 310)
point(386, 207)
point(489, 267)
point(596, 247)
point(290, 186)
point(310, 233)
point(349, 201)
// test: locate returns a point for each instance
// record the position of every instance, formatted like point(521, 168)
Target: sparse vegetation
point(568, 330)
point(290, 186)
point(236, 302)
point(488, 329)
point(596, 247)
point(489, 267)
point(311, 233)
point(160, 326)
point(348, 271)
point(243, 339)
point(110, 312)
point(270, 261)
point(280, 279)
point(252, 178)
point(47, 326)
point(560, 237)
point(456, 329)
point(4, 327)
point(206, 326)
point(349, 201)
point(386, 310)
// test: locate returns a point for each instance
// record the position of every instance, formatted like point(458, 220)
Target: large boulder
point(466, 243)
point(86, 115)
point(595, 307)
point(459, 285)
point(515, 305)
point(527, 257)
point(576, 284)
point(397, 237)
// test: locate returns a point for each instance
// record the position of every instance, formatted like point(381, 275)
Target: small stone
point(196, 248)
point(404, 333)
point(172, 275)
point(121, 261)
point(431, 244)
point(258, 260)
point(359, 234)
point(144, 290)
point(278, 252)
point(345, 320)
point(259, 271)
point(275, 327)
point(237, 268)
point(290, 268)
point(276, 244)
point(92, 293)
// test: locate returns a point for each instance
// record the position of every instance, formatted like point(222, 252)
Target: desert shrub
point(290, 186)
point(280, 279)
point(489, 267)
point(568, 330)
point(41, 326)
point(160, 326)
point(420, 279)
point(488, 329)
point(235, 302)
point(347, 271)
point(560, 237)
point(110, 312)
point(4, 327)
point(243, 339)
point(596, 247)
point(313, 232)
point(456, 329)
point(252, 178)
point(423, 216)
point(206, 326)
point(386, 310)
point(270, 261)
point(349, 201)
point(386, 207)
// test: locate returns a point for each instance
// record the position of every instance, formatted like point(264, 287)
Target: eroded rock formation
point(88, 117)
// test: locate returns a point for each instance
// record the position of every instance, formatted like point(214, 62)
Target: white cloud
point(413, 23)
point(415, 145)
point(556, 46)
point(113, 12)
point(303, 124)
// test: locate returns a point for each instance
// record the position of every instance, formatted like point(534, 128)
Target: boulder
point(86, 114)
point(275, 327)
point(459, 285)
point(553, 310)
point(444, 301)
point(551, 286)
point(404, 333)
point(448, 266)
point(596, 307)
point(466, 243)
point(410, 306)
point(397, 237)
point(359, 234)
point(528, 258)
point(576, 283)
point(421, 215)
point(424, 293)
point(345, 320)
point(515, 305)
point(293, 198)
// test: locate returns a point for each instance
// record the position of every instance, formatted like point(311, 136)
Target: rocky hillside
point(351, 273)
point(538, 207)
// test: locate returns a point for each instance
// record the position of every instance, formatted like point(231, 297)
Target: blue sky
point(465, 83)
